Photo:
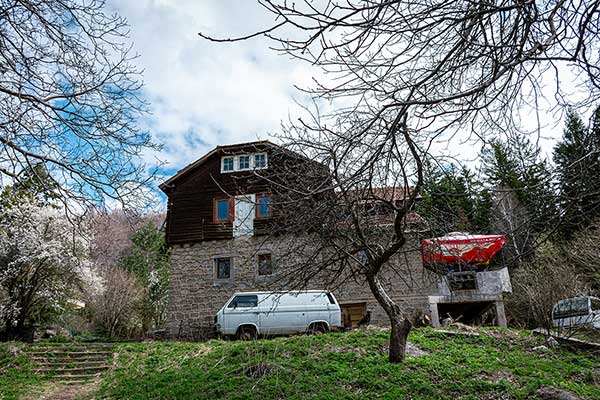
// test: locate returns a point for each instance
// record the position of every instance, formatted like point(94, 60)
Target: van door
point(242, 309)
point(282, 314)
point(317, 305)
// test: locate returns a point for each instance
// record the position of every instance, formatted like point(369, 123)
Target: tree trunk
point(398, 336)
point(400, 324)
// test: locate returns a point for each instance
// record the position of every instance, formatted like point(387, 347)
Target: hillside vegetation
point(498, 364)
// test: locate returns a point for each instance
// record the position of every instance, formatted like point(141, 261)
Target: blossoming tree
point(41, 261)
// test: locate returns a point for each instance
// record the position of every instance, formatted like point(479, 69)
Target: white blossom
point(40, 253)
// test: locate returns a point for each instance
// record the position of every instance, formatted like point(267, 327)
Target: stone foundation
point(195, 293)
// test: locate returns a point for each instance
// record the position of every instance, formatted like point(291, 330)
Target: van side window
point(330, 297)
point(245, 301)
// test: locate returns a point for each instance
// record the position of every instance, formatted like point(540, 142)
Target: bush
point(540, 283)
point(114, 308)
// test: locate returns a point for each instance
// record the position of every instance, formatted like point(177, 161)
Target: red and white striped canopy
point(461, 248)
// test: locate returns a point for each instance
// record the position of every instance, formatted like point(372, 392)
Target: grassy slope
point(16, 371)
point(499, 364)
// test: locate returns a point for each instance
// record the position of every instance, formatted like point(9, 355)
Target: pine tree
point(577, 159)
point(148, 260)
point(517, 166)
point(454, 200)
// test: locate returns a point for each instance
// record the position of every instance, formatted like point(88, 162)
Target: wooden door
point(352, 313)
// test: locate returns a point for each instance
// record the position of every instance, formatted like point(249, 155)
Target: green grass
point(498, 364)
point(16, 371)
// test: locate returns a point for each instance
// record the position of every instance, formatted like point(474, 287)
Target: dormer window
point(227, 164)
point(260, 161)
point(244, 162)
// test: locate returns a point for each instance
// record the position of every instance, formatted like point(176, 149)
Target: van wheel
point(318, 329)
point(246, 333)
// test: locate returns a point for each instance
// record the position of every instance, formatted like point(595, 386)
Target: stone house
point(217, 226)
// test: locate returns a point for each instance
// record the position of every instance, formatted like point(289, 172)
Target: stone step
point(73, 371)
point(75, 378)
point(69, 354)
point(71, 347)
point(71, 360)
point(69, 364)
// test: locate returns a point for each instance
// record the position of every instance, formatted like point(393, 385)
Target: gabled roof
point(230, 147)
point(387, 193)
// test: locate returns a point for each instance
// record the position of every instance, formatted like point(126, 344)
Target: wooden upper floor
point(247, 189)
point(224, 194)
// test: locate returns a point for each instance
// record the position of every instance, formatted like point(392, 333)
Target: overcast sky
point(203, 94)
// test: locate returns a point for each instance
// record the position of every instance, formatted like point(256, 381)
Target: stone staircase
point(71, 362)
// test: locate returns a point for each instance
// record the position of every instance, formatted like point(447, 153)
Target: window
point(361, 255)
point(263, 209)
point(227, 164)
point(576, 307)
point(245, 301)
point(330, 297)
point(265, 266)
point(244, 162)
point(223, 267)
point(462, 281)
point(260, 161)
point(222, 210)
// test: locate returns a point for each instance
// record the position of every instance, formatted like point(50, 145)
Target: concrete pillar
point(500, 315)
point(435, 317)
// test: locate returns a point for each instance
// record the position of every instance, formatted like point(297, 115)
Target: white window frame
point(254, 160)
point(236, 162)
point(223, 164)
point(250, 158)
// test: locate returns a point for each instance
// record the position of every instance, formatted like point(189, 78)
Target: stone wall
point(195, 295)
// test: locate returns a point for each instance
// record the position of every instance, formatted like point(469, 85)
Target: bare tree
point(69, 99)
point(401, 74)
point(343, 210)
point(114, 306)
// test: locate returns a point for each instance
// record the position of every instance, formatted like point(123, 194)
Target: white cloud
point(203, 94)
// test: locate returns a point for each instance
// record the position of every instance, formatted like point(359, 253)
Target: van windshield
point(245, 301)
point(330, 297)
point(571, 308)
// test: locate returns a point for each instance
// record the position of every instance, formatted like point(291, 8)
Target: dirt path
point(57, 391)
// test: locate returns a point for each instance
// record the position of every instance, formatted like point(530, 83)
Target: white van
point(577, 311)
point(249, 314)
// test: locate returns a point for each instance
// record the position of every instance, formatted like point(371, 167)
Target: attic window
point(244, 162)
point(260, 161)
point(227, 164)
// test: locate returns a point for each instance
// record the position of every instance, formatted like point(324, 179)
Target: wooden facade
point(193, 191)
